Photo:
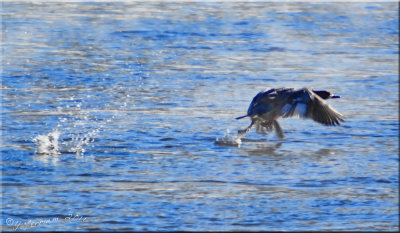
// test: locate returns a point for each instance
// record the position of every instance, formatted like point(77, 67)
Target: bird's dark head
point(255, 106)
point(326, 95)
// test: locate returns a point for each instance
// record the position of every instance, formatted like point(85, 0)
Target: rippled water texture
point(121, 116)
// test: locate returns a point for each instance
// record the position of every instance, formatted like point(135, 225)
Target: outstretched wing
point(323, 113)
point(306, 104)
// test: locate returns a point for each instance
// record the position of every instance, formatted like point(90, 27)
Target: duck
point(269, 105)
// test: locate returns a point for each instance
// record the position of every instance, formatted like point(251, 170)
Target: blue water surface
point(121, 116)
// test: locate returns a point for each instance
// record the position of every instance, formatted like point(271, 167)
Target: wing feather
point(307, 104)
point(321, 112)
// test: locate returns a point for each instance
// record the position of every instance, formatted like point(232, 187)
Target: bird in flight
point(268, 106)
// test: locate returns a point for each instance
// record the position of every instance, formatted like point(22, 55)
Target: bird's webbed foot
point(245, 131)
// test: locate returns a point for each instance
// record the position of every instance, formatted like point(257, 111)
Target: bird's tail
point(238, 118)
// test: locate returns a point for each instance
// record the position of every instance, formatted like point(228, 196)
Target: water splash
point(47, 144)
point(81, 140)
point(80, 123)
point(229, 139)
